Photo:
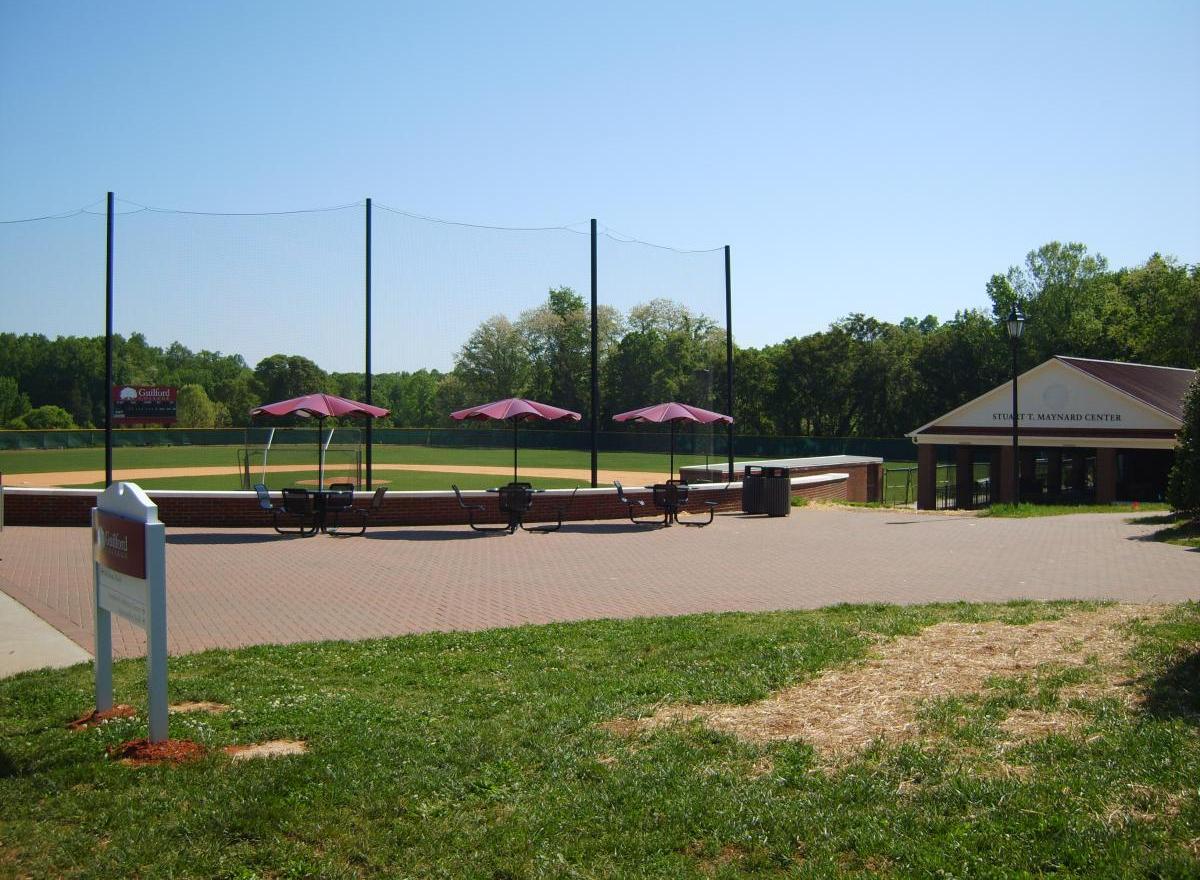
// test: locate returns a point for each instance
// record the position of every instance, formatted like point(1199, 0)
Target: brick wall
point(865, 481)
point(58, 507)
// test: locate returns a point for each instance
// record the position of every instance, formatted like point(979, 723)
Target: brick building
point(1089, 430)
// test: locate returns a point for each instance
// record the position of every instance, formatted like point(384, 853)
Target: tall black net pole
point(367, 347)
point(108, 345)
point(729, 354)
point(595, 365)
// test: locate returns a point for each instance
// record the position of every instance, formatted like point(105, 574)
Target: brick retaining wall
point(58, 507)
point(865, 475)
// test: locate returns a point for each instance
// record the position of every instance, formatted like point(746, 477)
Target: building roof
point(1104, 400)
point(1160, 387)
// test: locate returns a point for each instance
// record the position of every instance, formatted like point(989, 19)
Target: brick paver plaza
point(229, 588)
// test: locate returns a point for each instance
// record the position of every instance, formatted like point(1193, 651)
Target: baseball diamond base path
point(59, 479)
point(229, 588)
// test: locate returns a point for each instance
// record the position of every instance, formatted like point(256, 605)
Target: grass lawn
point(510, 754)
point(1027, 510)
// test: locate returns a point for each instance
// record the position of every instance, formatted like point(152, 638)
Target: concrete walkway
point(28, 642)
point(229, 588)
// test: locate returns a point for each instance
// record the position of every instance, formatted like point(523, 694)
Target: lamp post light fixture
point(1015, 323)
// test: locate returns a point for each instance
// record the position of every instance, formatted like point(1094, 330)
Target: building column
point(875, 482)
point(964, 475)
point(994, 476)
point(1078, 470)
point(1106, 476)
point(1028, 470)
point(926, 476)
point(1007, 490)
point(1054, 462)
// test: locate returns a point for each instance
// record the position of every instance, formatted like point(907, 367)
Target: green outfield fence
point(686, 442)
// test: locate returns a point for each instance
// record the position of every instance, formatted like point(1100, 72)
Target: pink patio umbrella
point(320, 407)
point(515, 409)
point(673, 413)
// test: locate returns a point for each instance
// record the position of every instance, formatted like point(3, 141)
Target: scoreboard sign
point(130, 580)
point(144, 404)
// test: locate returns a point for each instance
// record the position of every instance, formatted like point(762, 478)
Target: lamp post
point(1015, 322)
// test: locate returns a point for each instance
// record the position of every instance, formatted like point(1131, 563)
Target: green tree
point(1070, 301)
point(193, 409)
point(45, 418)
point(13, 403)
point(1160, 312)
point(1183, 488)
point(282, 377)
point(558, 335)
point(754, 388)
point(494, 361)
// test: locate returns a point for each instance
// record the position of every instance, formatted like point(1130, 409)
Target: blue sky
point(875, 157)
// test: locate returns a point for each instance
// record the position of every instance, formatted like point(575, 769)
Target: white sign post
point(130, 579)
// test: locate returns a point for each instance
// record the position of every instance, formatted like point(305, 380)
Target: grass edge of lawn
point(1178, 529)
point(489, 805)
point(1026, 509)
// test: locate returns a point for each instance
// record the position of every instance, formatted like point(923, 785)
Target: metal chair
point(473, 509)
point(632, 504)
point(515, 500)
point(264, 498)
point(364, 513)
point(712, 509)
point(297, 503)
point(559, 512)
point(679, 490)
point(340, 497)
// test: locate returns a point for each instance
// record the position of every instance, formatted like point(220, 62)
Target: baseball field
point(400, 468)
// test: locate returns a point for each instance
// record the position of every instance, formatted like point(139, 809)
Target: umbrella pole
point(671, 473)
point(514, 450)
point(320, 455)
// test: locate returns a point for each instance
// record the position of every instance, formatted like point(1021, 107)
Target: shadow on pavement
point(615, 528)
point(1175, 528)
point(422, 533)
point(225, 538)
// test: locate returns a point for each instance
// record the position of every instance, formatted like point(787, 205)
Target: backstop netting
point(668, 307)
point(283, 291)
point(237, 310)
point(52, 284)
point(467, 314)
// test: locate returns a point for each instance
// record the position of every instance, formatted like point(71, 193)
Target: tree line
point(861, 377)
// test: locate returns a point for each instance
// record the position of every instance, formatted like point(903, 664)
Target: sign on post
point(130, 579)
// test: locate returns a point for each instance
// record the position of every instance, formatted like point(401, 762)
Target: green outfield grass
point(26, 461)
point(493, 755)
point(30, 461)
point(396, 481)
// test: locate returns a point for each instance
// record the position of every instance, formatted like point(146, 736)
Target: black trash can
point(777, 491)
point(753, 500)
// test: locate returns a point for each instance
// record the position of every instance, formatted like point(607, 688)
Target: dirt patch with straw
point(844, 710)
point(189, 706)
point(276, 748)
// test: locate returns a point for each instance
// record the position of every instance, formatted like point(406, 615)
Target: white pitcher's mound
point(275, 748)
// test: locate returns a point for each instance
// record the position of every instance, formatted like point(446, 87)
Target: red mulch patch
point(140, 752)
point(91, 719)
